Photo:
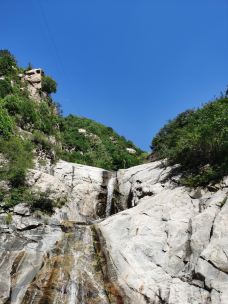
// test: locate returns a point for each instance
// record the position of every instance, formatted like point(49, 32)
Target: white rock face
point(168, 245)
point(82, 189)
point(46, 183)
point(87, 194)
point(52, 259)
point(140, 181)
point(170, 248)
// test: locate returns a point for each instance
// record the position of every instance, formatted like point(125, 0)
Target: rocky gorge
point(127, 237)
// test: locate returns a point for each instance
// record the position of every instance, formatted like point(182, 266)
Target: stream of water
point(110, 190)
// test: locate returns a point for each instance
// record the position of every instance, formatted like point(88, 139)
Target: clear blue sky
point(130, 64)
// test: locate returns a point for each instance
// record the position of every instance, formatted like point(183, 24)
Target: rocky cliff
point(165, 244)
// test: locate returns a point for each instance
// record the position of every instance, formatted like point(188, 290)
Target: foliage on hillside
point(8, 64)
point(49, 85)
point(25, 128)
point(88, 142)
point(198, 140)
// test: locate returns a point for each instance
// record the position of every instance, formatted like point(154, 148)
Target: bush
point(48, 119)
point(37, 201)
point(23, 109)
point(9, 219)
point(41, 140)
point(43, 203)
point(7, 63)
point(19, 154)
point(30, 115)
point(16, 196)
point(49, 85)
point(5, 88)
point(198, 140)
point(6, 123)
point(12, 104)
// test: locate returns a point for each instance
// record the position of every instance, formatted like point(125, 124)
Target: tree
point(29, 67)
point(7, 62)
point(49, 85)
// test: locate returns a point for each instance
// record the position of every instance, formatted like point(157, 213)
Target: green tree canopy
point(7, 62)
point(49, 85)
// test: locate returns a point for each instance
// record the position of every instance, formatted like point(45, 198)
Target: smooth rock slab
point(171, 247)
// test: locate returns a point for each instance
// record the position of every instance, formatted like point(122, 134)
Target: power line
point(50, 37)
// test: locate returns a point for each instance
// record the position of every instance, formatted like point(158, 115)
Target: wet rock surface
point(168, 245)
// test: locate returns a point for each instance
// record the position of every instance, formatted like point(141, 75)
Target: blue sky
point(129, 64)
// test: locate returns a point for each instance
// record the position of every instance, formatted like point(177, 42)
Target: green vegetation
point(43, 203)
point(41, 141)
point(6, 123)
point(40, 202)
point(9, 219)
point(198, 140)
point(5, 88)
point(15, 196)
point(30, 115)
point(19, 156)
point(49, 85)
point(88, 142)
point(8, 63)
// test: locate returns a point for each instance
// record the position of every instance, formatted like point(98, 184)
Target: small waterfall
point(110, 190)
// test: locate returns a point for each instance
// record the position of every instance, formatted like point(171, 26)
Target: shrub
point(19, 154)
point(5, 88)
point(12, 104)
point(49, 85)
point(9, 219)
point(7, 62)
point(23, 109)
point(6, 123)
point(28, 113)
point(42, 203)
point(41, 140)
point(48, 119)
point(198, 140)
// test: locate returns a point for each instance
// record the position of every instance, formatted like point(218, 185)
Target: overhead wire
point(38, 6)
